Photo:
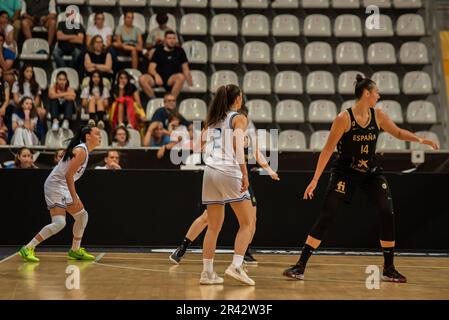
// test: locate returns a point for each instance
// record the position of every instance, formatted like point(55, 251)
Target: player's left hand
point(245, 184)
point(308, 194)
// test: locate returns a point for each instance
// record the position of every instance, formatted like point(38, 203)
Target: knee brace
point(80, 224)
point(57, 224)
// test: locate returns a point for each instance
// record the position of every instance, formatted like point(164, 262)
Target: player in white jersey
point(225, 180)
point(61, 196)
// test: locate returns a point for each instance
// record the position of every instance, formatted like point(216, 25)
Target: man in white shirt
point(111, 160)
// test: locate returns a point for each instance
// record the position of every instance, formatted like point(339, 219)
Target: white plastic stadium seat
point(254, 4)
point(285, 4)
point(193, 3)
point(413, 53)
point(288, 82)
point(171, 23)
point(387, 82)
point(348, 25)
point(417, 82)
point(138, 21)
point(227, 4)
point(421, 111)
point(320, 82)
point(381, 53)
point(289, 111)
point(163, 3)
point(132, 3)
point(193, 109)
point(104, 139)
point(196, 51)
point(286, 53)
point(199, 82)
point(345, 4)
point(224, 25)
point(152, 106)
point(259, 111)
point(317, 25)
point(257, 82)
point(349, 53)
point(318, 52)
point(386, 142)
point(407, 4)
point(32, 46)
point(135, 140)
point(346, 82)
point(225, 52)
point(410, 25)
point(58, 139)
point(193, 24)
point(292, 140)
point(315, 4)
point(425, 135)
point(392, 109)
point(102, 3)
point(108, 20)
point(381, 4)
point(285, 25)
point(72, 75)
point(322, 111)
point(256, 52)
point(41, 77)
point(255, 25)
point(77, 2)
point(223, 77)
point(385, 28)
point(318, 139)
point(135, 74)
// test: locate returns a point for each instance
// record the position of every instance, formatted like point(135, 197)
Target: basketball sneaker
point(210, 278)
point(390, 274)
point(295, 272)
point(80, 254)
point(249, 259)
point(239, 274)
point(28, 254)
point(177, 255)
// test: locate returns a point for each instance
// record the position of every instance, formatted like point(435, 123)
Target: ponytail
point(222, 102)
point(80, 137)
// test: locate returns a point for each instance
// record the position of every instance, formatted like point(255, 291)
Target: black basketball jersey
point(357, 147)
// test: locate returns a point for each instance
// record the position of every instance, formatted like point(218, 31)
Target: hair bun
point(359, 78)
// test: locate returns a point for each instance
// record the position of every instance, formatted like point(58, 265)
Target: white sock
point(81, 219)
point(76, 244)
point(237, 260)
point(208, 265)
point(32, 244)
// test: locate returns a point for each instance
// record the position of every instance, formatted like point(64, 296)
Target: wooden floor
point(152, 276)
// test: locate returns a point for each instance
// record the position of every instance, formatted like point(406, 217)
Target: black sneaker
point(295, 272)
point(176, 256)
point(249, 259)
point(390, 274)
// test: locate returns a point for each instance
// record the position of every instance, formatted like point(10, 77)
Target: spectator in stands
point(163, 114)
point(13, 8)
point(120, 137)
point(169, 68)
point(4, 103)
point(39, 13)
point(7, 58)
point(23, 160)
point(24, 121)
point(128, 39)
point(95, 98)
point(8, 31)
point(112, 161)
point(58, 156)
point(98, 59)
point(178, 132)
point(99, 28)
point(27, 86)
point(156, 36)
point(155, 136)
point(61, 101)
point(70, 42)
point(126, 97)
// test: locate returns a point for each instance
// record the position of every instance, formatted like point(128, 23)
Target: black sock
point(248, 251)
point(92, 116)
point(305, 255)
point(388, 256)
point(100, 115)
point(186, 243)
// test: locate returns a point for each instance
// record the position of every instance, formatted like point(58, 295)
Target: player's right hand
point(308, 194)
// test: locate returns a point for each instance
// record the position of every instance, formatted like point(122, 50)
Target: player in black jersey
point(201, 222)
point(354, 132)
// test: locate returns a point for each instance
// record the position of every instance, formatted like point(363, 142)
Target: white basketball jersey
point(220, 153)
point(57, 176)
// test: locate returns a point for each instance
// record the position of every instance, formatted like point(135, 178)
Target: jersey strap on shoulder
point(232, 116)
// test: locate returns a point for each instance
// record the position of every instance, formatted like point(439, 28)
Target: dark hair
point(97, 14)
point(114, 133)
point(2, 87)
point(3, 12)
point(126, 12)
point(174, 114)
point(100, 84)
point(2, 36)
point(19, 108)
point(16, 158)
point(161, 18)
point(34, 86)
point(92, 43)
point(80, 137)
point(129, 88)
point(244, 110)
point(362, 84)
point(222, 102)
point(113, 150)
point(62, 72)
point(169, 32)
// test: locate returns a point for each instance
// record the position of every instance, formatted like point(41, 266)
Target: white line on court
point(8, 257)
